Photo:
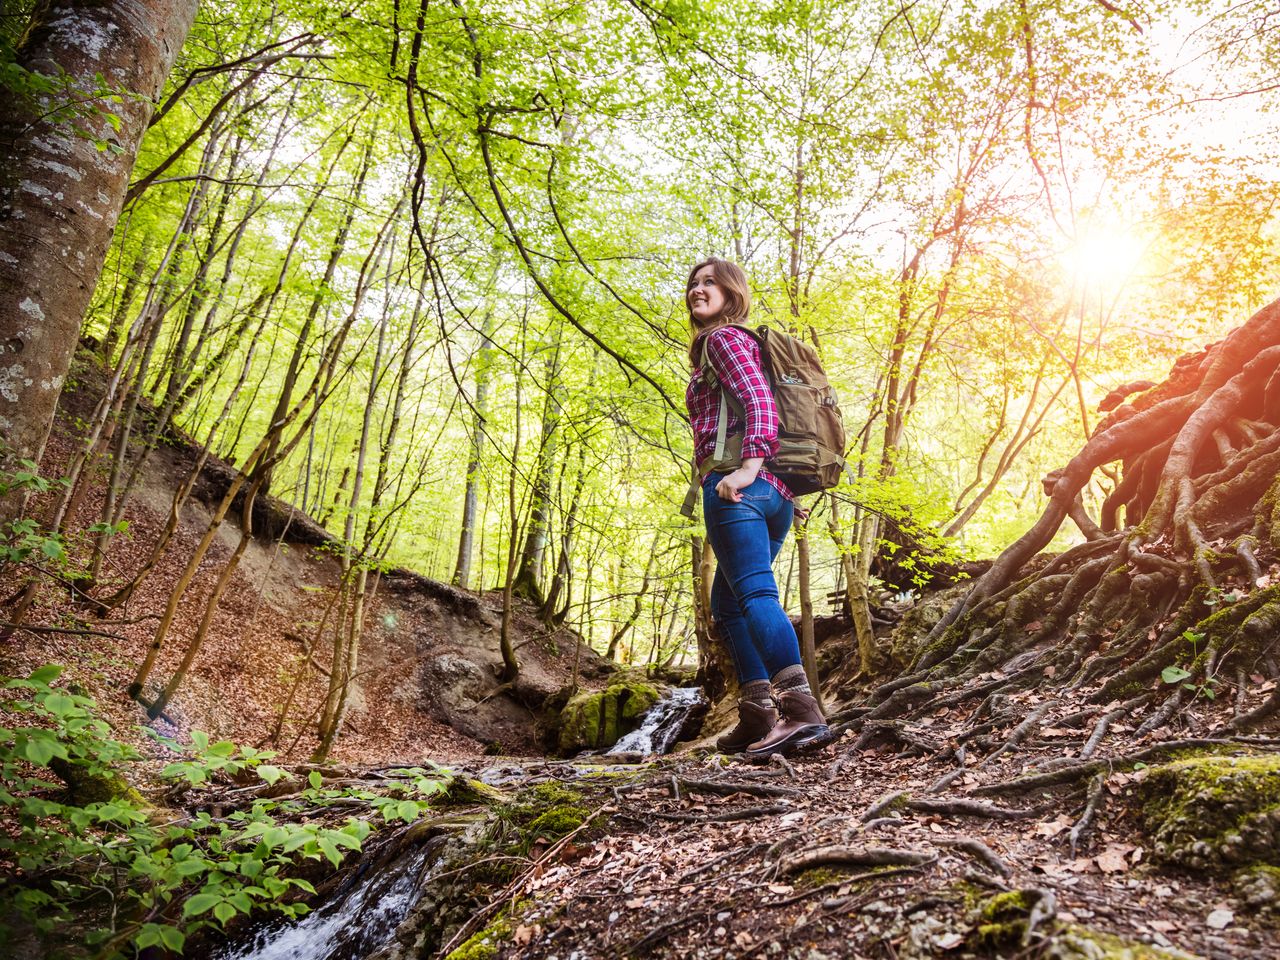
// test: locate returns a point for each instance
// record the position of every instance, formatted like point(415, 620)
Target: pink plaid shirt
point(735, 358)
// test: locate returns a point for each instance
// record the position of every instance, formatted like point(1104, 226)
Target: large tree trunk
point(60, 194)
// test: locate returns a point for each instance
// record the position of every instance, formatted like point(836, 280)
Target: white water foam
point(660, 724)
point(348, 927)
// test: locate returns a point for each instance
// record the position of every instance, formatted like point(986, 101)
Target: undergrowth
point(90, 868)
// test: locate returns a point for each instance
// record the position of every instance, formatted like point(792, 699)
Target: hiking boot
point(802, 724)
point(755, 720)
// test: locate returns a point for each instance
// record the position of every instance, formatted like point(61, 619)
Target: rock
point(906, 642)
point(455, 680)
point(597, 720)
point(1214, 812)
point(1259, 887)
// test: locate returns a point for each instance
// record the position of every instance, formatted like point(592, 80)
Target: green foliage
point(912, 187)
point(25, 542)
point(1174, 674)
point(59, 97)
point(120, 875)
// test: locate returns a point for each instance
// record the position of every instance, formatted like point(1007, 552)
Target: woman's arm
point(734, 358)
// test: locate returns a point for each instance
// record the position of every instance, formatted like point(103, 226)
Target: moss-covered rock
point(1002, 920)
point(543, 813)
point(1083, 943)
point(1259, 887)
point(86, 786)
point(594, 721)
point(1214, 811)
point(906, 642)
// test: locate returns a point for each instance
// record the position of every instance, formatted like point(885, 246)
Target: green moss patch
point(1071, 942)
point(1209, 812)
point(594, 721)
point(545, 812)
point(486, 944)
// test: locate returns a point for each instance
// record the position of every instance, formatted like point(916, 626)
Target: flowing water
point(362, 915)
point(355, 922)
point(661, 724)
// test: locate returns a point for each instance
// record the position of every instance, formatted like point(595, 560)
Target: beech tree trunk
point(61, 195)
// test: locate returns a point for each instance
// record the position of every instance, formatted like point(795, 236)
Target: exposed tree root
point(1171, 596)
point(1091, 807)
point(970, 808)
point(980, 851)
point(856, 856)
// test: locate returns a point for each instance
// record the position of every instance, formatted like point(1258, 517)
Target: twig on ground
point(1082, 826)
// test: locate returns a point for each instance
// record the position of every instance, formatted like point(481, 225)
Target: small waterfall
point(351, 925)
point(661, 724)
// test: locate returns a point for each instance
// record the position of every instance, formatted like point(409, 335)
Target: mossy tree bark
point(61, 194)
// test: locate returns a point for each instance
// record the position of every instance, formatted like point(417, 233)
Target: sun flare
point(1102, 260)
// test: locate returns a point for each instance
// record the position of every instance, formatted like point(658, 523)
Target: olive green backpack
point(810, 428)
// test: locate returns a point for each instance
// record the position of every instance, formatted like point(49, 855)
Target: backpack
point(811, 435)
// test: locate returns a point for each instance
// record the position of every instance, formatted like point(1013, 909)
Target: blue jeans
point(746, 537)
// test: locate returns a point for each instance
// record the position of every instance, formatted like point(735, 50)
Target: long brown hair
point(737, 298)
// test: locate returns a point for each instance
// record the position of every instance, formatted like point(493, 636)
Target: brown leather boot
point(801, 725)
point(755, 720)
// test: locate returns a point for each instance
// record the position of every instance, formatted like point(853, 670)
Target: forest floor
point(888, 850)
point(893, 841)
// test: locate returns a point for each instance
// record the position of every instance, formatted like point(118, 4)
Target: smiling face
point(715, 293)
point(705, 296)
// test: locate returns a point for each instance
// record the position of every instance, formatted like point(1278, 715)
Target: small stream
point(359, 919)
point(661, 724)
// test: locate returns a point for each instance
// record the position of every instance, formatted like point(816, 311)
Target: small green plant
point(25, 542)
point(90, 862)
point(1175, 674)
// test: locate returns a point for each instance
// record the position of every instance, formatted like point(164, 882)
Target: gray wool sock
point(757, 692)
point(791, 678)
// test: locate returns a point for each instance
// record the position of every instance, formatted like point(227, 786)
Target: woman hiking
point(747, 511)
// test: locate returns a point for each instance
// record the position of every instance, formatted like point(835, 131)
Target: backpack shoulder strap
point(709, 373)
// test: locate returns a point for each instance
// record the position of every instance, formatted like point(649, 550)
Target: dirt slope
point(426, 687)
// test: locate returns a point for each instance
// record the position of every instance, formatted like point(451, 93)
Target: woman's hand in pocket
point(731, 485)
